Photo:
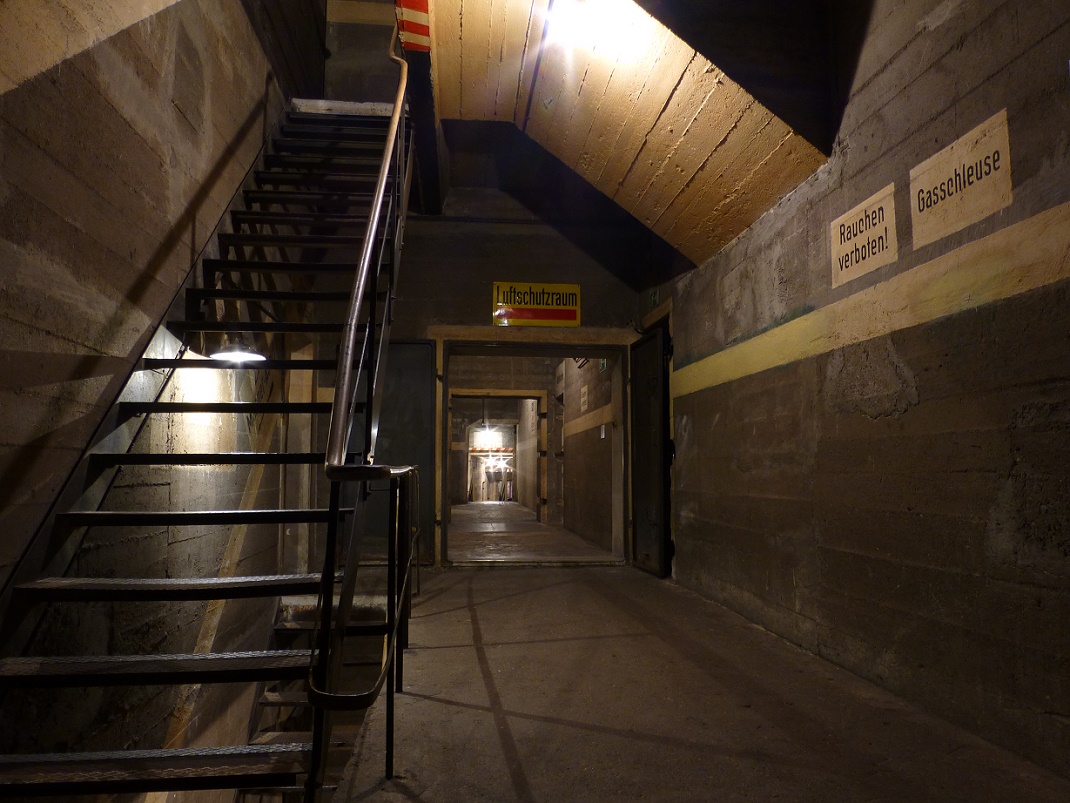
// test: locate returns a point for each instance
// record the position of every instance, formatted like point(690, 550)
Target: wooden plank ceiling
point(625, 103)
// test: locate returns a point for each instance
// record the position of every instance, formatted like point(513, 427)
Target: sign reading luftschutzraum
point(966, 182)
point(864, 239)
point(530, 304)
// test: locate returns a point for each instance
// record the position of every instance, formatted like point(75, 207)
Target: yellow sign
point(864, 238)
point(965, 182)
point(526, 304)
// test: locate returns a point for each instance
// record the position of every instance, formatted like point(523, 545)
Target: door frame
point(663, 325)
point(508, 342)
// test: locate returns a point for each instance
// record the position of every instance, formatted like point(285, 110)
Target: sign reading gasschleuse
point(526, 304)
point(864, 239)
point(965, 182)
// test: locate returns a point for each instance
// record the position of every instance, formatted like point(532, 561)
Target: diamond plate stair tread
point(332, 198)
point(337, 162)
point(245, 218)
point(311, 144)
point(331, 133)
point(210, 458)
point(137, 518)
point(171, 589)
point(269, 295)
point(302, 240)
point(150, 363)
point(223, 265)
point(281, 327)
point(124, 670)
point(140, 408)
point(284, 699)
point(312, 177)
point(179, 768)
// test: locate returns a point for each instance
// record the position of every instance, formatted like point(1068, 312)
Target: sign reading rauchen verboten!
point(864, 239)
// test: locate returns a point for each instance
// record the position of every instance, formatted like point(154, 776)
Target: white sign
point(583, 399)
point(965, 182)
point(864, 239)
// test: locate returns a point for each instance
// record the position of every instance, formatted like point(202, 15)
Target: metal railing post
point(391, 620)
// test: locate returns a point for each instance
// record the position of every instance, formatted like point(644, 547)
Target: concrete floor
point(507, 532)
point(605, 684)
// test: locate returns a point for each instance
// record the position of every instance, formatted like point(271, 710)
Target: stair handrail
point(345, 382)
point(351, 364)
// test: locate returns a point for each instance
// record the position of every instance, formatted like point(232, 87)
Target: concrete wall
point(114, 167)
point(527, 455)
point(588, 464)
point(450, 265)
point(877, 470)
point(291, 33)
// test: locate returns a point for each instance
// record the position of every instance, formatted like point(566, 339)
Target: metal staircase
point(287, 283)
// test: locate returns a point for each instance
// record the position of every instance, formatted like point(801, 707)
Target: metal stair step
point(286, 737)
point(141, 589)
point(284, 699)
point(373, 144)
point(376, 121)
point(252, 327)
point(133, 670)
point(328, 130)
point(335, 163)
point(311, 178)
point(255, 217)
point(128, 771)
point(239, 408)
point(213, 267)
point(239, 294)
point(238, 239)
point(190, 518)
point(352, 629)
point(153, 363)
point(334, 199)
point(209, 459)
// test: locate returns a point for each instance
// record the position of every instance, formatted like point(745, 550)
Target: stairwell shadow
point(26, 469)
point(487, 601)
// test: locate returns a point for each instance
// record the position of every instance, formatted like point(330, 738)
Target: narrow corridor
point(604, 684)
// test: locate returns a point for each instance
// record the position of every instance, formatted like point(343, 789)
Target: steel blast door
point(651, 454)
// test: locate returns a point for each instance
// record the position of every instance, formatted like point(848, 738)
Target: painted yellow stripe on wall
point(1014, 260)
point(595, 418)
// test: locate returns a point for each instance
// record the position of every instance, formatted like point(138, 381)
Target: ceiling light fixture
point(236, 350)
point(615, 30)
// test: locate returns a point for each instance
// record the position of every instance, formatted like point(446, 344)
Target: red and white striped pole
point(414, 25)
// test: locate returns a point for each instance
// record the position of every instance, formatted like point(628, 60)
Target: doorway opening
point(536, 456)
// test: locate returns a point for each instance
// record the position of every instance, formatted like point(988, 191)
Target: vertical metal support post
point(391, 618)
point(321, 660)
point(404, 564)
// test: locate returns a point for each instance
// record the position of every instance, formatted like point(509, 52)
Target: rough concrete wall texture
point(588, 466)
point(527, 455)
point(450, 266)
point(876, 470)
point(115, 165)
point(35, 36)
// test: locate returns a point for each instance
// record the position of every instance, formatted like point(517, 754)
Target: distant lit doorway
point(535, 461)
